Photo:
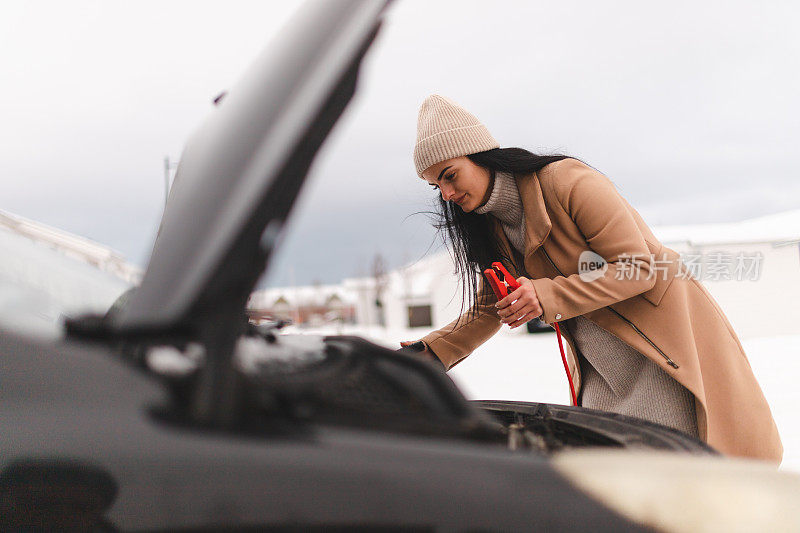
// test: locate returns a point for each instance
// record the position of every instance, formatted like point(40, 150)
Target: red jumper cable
point(566, 366)
point(502, 284)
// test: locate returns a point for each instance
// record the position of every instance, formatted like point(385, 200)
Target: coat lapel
point(537, 221)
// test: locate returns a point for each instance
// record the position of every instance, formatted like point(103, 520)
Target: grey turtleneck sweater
point(615, 376)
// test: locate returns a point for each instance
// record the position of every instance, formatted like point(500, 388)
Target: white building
point(752, 268)
point(423, 294)
point(310, 305)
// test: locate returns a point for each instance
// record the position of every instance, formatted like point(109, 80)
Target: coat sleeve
point(601, 214)
point(459, 338)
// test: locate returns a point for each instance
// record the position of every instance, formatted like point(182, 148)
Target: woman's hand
point(520, 306)
point(425, 353)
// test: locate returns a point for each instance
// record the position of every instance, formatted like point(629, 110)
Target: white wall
point(763, 307)
point(427, 282)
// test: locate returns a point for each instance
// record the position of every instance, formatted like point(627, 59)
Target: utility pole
point(167, 167)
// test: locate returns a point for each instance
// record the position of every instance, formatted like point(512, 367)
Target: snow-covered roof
point(417, 279)
point(774, 228)
point(307, 295)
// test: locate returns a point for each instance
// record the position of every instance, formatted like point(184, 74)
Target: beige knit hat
point(446, 130)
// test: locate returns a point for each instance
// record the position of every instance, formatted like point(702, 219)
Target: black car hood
point(242, 170)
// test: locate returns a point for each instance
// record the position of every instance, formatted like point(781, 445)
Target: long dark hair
point(469, 235)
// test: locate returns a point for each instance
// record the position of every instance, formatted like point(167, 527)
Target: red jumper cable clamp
point(502, 284)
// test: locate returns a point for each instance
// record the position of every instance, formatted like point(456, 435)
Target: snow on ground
point(514, 365)
point(776, 362)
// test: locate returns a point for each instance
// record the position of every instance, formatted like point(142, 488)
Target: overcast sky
point(691, 108)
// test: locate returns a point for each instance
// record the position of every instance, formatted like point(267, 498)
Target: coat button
point(558, 315)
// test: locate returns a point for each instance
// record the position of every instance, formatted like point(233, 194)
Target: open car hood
point(241, 172)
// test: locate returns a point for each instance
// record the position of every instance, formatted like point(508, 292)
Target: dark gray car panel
point(84, 447)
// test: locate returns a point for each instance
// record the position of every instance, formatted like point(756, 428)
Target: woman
point(644, 337)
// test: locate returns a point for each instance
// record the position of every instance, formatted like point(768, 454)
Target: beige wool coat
point(645, 297)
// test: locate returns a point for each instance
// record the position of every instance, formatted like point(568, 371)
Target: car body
point(172, 411)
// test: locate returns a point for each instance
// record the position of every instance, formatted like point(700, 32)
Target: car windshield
point(46, 275)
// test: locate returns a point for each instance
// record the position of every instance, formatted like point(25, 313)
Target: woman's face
point(461, 181)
